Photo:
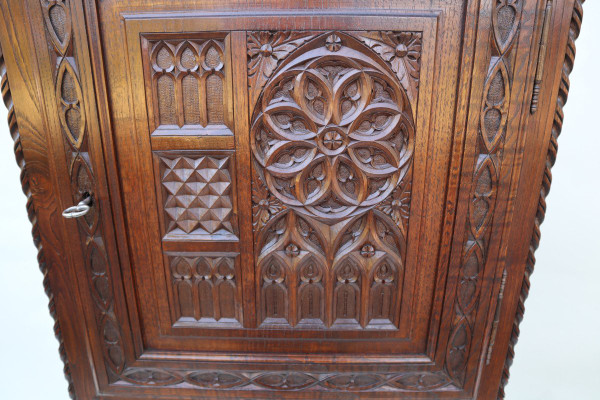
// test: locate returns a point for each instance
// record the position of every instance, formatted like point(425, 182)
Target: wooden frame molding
point(13, 127)
point(561, 100)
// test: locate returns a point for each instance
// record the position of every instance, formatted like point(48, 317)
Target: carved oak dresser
point(300, 199)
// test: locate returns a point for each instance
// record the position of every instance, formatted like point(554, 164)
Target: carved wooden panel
point(332, 138)
point(339, 116)
point(206, 288)
point(198, 195)
point(188, 85)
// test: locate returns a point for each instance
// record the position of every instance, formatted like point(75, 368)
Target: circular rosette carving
point(333, 133)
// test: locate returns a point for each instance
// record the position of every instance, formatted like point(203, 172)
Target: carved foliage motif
point(71, 114)
point(188, 82)
point(198, 195)
point(506, 15)
point(206, 288)
point(402, 50)
point(265, 51)
point(332, 140)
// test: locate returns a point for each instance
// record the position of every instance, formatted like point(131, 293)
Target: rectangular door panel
point(329, 145)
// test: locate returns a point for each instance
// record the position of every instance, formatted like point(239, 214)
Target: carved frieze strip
point(290, 380)
point(563, 92)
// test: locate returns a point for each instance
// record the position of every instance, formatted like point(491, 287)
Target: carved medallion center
point(266, 50)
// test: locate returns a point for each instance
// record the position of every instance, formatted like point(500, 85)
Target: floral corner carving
point(402, 51)
point(265, 50)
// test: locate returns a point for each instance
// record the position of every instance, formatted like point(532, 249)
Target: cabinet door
point(290, 202)
point(281, 182)
point(286, 186)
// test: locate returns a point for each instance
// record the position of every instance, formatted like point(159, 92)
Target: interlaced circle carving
point(333, 131)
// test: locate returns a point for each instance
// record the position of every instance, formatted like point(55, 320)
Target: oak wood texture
point(289, 201)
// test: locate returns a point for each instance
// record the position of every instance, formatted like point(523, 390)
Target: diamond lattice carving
point(198, 195)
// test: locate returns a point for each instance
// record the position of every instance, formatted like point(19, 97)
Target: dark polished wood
point(309, 200)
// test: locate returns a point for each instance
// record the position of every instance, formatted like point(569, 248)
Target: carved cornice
point(31, 213)
point(574, 29)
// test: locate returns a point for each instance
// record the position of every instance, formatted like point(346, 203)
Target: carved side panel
point(332, 138)
point(35, 182)
point(198, 195)
point(74, 127)
point(187, 86)
point(206, 288)
point(506, 16)
point(563, 92)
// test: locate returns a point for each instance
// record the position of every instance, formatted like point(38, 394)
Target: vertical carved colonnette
point(506, 15)
point(31, 213)
point(72, 117)
point(563, 92)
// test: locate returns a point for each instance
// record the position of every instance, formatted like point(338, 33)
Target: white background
point(559, 347)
